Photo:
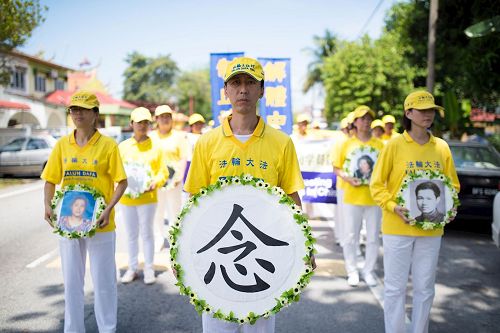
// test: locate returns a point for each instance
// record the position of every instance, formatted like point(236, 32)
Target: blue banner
point(320, 187)
point(218, 64)
point(276, 105)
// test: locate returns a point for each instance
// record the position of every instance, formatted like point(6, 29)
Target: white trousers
point(339, 219)
point(402, 253)
point(353, 217)
point(101, 249)
point(139, 219)
point(213, 325)
point(169, 206)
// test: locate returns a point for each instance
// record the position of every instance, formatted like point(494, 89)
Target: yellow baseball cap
point(194, 118)
point(161, 109)
point(84, 99)
point(303, 117)
point(245, 65)
point(350, 117)
point(361, 110)
point(421, 100)
point(388, 119)
point(344, 123)
point(140, 114)
point(377, 122)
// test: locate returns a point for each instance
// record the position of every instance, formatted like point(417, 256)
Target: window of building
point(18, 78)
point(59, 84)
point(40, 82)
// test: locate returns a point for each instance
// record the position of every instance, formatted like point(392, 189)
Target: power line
point(370, 18)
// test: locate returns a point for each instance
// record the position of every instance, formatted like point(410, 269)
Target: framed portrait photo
point(139, 178)
point(76, 209)
point(360, 163)
point(429, 197)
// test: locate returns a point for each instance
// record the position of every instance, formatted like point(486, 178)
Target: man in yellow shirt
point(244, 144)
point(86, 157)
point(175, 148)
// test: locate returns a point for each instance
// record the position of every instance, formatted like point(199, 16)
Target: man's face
point(243, 91)
point(427, 201)
point(165, 122)
point(389, 127)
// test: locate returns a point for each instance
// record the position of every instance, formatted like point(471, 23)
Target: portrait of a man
point(429, 202)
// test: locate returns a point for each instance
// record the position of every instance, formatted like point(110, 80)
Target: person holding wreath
point(406, 247)
point(138, 211)
point(358, 203)
point(263, 152)
point(89, 158)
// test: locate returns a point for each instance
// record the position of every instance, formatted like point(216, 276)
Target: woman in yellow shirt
point(144, 166)
point(86, 157)
point(407, 247)
point(358, 204)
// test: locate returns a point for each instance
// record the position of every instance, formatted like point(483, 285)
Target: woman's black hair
point(405, 122)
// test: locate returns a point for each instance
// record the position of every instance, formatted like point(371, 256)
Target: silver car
point(26, 155)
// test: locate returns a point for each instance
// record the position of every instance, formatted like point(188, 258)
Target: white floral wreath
point(347, 162)
point(59, 195)
point(287, 297)
point(429, 174)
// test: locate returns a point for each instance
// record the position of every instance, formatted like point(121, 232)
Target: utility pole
point(431, 46)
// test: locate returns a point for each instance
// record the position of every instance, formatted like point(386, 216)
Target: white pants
point(339, 219)
point(402, 253)
point(213, 325)
point(139, 219)
point(353, 217)
point(101, 248)
point(169, 206)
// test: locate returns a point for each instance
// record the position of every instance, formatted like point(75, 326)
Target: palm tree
point(324, 47)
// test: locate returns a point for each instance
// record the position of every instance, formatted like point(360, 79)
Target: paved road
point(467, 291)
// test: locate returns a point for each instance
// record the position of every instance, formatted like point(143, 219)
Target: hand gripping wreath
point(75, 211)
point(430, 197)
point(242, 250)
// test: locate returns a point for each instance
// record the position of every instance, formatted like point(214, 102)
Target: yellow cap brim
point(83, 105)
point(362, 114)
point(243, 72)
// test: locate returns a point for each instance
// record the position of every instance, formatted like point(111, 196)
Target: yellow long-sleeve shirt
point(401, 155)
point(151, 156)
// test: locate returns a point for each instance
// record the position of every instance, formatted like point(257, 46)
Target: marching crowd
point(159, 157)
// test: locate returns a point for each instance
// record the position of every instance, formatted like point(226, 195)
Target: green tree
point(194, 84)
point(366, 72)
point(149, 79)
point(464, 66)
point(18, 20)
point(324, 46)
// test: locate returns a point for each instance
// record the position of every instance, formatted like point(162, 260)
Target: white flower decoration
point(247, 177)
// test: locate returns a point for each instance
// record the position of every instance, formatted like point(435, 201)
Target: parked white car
point(495, 226)
point(26, 155)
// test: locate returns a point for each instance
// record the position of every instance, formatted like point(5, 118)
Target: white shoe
point(129, 276)
point(353, 279)
point(149, 276)
point(370, 279)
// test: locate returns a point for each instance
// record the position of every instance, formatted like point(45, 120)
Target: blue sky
point(106, 31)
